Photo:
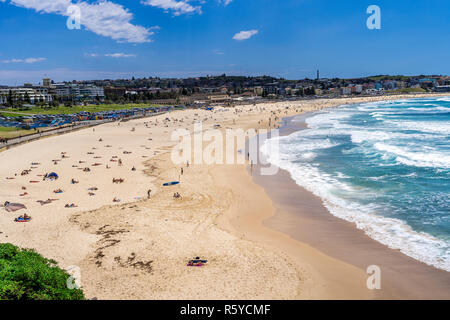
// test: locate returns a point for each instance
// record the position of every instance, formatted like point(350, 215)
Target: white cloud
point(120, 55)
point(104, 18)
point(244, 35)
point(93, 55)
point(26, 60)
point(226, 2)
point(111, 55)
point(178, 7)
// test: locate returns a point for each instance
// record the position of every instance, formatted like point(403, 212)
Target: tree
point(27, 98)
point(10, 99)
point(26, 275)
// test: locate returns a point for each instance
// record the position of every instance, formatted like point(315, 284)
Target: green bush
point(26, 275)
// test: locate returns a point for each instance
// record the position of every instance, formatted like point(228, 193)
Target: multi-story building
point(346, 91)
point(258, 90)
point(92, 92)
point(26, 95)
point(114, 92)
point(73, 91)
point(46, 82)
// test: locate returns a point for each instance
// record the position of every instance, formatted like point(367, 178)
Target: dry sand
point(138, 248)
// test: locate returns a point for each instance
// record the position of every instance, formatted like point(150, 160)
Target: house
point(219, 98)
point(442, 88)
point(346, 91)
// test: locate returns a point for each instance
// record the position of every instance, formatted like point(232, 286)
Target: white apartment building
point(22, 93)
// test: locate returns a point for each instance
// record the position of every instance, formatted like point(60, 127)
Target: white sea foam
point(424, 126)
point(394, 233)
point(395, 141)
point(416, 158)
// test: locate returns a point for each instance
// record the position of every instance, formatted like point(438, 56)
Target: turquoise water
point(384, 166)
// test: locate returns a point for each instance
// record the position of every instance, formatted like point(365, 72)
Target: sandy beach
point(258, 244)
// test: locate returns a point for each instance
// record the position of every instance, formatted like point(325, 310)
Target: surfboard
point(167, 184)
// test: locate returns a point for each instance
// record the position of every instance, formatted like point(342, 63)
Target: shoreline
point(301, 215)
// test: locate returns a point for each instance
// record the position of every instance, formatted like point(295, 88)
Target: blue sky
point(181, 38)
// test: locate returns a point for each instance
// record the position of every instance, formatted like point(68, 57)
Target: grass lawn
point(8, 133)
point(14, 112)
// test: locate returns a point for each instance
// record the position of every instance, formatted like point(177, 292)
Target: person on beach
point(149, 192)
point(176, 195)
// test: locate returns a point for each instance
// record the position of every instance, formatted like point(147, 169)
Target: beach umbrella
point(52, 175)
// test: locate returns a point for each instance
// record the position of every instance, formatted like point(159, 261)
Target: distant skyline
point(188, 38)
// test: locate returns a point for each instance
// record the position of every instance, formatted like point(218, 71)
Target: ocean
point(384, 166)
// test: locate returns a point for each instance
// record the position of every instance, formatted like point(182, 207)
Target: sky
point(111, 39)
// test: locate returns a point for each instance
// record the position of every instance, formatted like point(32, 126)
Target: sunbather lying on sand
point(46, 201)
point(72, 205)
point(196, 262)
point(58, 191)
point(22, 218)
point(116, 199)
point(73, 181)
